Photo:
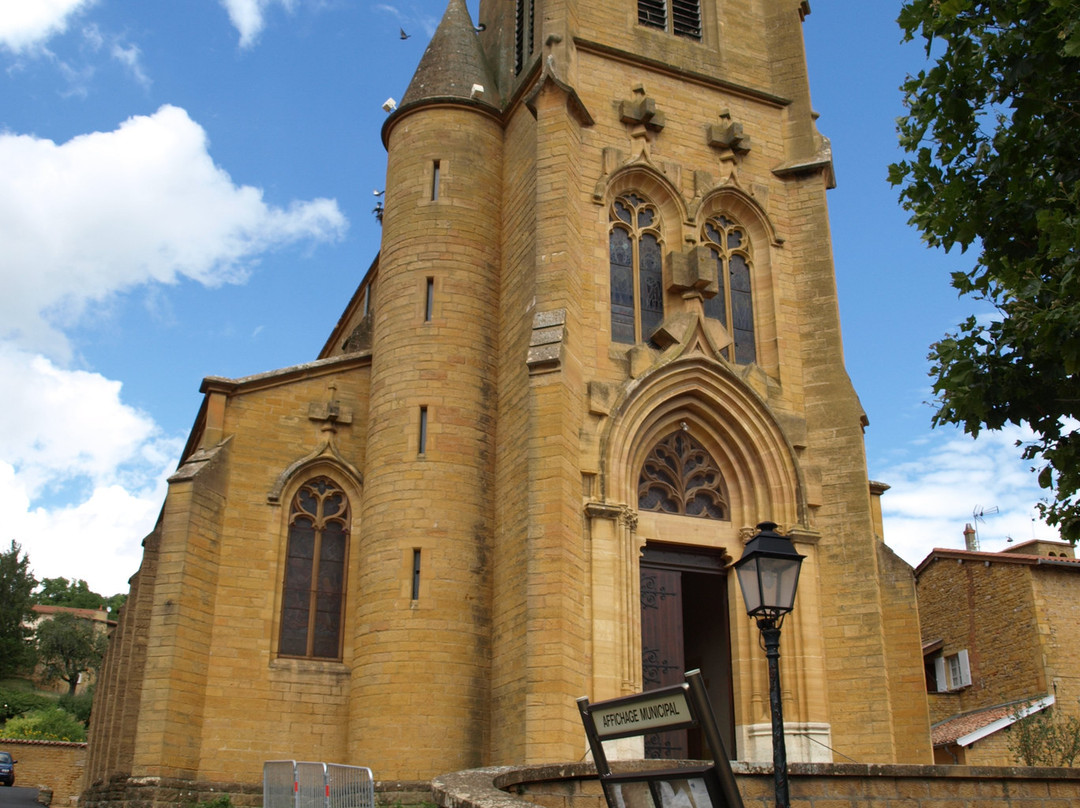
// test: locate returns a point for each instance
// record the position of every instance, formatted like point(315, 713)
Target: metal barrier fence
point(297, 784)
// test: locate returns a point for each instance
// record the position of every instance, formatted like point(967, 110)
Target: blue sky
point(186, 190)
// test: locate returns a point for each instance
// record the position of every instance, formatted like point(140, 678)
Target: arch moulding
point(720, 411)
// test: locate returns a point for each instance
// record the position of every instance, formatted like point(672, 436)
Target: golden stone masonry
point(600, 342)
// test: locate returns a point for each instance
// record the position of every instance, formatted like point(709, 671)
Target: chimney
point(971, 539)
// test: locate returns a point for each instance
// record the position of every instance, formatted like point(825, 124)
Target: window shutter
point(652, 13)
point(965, 669)
point(939, 675)
point(686, 18)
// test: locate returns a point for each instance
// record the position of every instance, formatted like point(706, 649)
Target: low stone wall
point(812, 786)
point(56, 766)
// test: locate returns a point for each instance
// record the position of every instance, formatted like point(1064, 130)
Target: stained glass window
point(313, 598)
point(680, 476)
point(636, 269)
point(733, 303)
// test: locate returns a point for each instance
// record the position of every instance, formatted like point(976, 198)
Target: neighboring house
point(1000, 639)
point(599, 344)
point(101, 621)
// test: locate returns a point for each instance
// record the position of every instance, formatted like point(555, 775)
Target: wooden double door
point(685, 625)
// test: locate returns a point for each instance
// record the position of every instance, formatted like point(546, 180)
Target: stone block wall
point(1056, 602)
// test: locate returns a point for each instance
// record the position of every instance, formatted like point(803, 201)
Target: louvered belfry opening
point(685, 19)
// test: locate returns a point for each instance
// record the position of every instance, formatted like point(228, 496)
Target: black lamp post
point(768, 575)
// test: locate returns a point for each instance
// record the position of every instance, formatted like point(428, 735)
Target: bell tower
point(666, 269)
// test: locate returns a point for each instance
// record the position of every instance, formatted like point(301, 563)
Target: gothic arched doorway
point(684, 602)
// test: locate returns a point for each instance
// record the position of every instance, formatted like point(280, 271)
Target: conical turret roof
point(453, 63)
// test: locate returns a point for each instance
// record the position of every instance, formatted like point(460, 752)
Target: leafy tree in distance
point(62, 592)
point(992, 141)
point(76, 594)
point(69, 646)
point(16, 585)
point(114, 603)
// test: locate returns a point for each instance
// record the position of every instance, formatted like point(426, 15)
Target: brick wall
point(55, 765)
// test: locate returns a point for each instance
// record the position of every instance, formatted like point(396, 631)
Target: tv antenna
point(979, 514)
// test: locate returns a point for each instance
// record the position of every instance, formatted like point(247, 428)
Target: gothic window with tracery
point(313, 598)
point(733, 303)
point(680, 476)
point(685, 18)
point(637, 269)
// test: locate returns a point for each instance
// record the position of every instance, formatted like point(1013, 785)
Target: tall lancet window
point(684, 19)
point(733, 303)
point(637, 269)
point(680, 476)
point(313, 599)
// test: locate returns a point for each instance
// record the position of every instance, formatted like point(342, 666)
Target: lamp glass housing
point(768, 573)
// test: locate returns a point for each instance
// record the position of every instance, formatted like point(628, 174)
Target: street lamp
point(768, 575)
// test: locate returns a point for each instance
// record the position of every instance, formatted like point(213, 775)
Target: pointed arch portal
point(694, 456)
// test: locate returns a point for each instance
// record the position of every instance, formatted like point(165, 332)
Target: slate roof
point(452, 64)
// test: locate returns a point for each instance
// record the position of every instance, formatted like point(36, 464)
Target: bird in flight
point(403, 34)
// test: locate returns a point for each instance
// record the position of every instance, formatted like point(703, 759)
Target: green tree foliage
point(76, 594)
point(52, 724)
point(79, 704)
point(68, 646)
point(114, 603)
point(16, 702)
point(992, 136)
point(62, 592)
point(1043, 739)
point(16, 585)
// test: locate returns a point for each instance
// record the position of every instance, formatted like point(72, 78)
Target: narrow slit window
point(416, 575)
point(429, 300)
point(435, 181)
point(423, 431)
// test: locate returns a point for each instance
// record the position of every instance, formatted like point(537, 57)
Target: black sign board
point(668, 708)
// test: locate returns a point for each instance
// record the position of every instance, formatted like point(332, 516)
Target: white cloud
point(70, 428)
point(27, 24)
point(82, 473)
point(249, 16)
point(130, 57)
point(58, 425)
point(933, 497)
point(109, 211)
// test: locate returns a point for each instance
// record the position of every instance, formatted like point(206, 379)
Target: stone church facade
point(600, 342)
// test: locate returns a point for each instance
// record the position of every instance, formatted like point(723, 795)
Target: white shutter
point(965, 670)
point(939, 674)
